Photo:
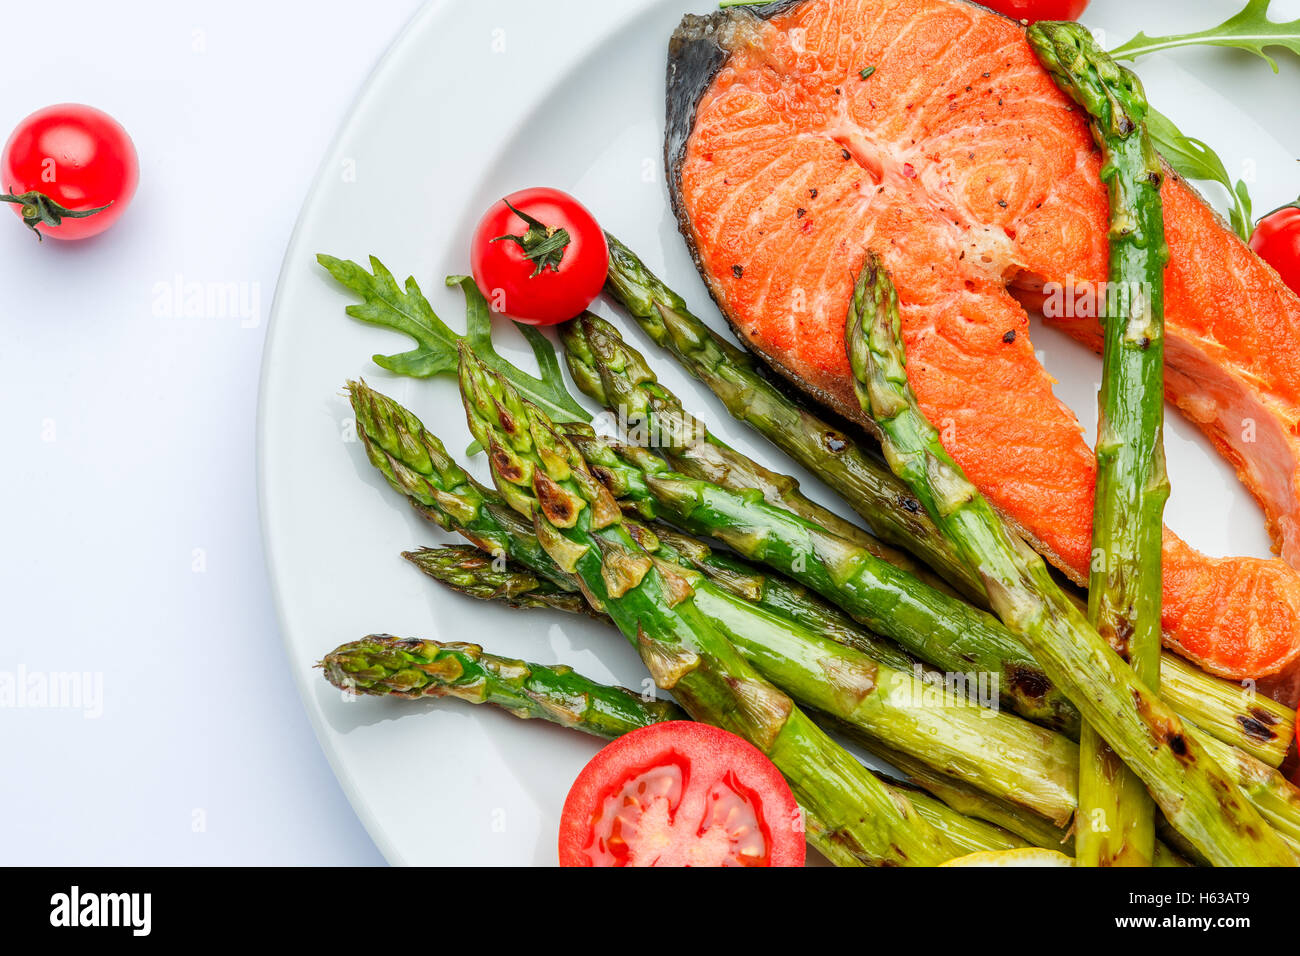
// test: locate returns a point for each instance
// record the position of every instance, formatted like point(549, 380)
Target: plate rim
point(431, 10)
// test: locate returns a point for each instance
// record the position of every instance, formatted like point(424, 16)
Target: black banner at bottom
point(396, 906)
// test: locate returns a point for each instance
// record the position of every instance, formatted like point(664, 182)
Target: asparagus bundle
point(1001, 763)
point(1116, 816)
point(1253, 722)
point(611, 371)
point(507, 583)
point(1198, 798)
point(1025, 764)
point(877, 592)
point(415, 463)
point(621, 562)
point(652, 601)
point(1045, 765)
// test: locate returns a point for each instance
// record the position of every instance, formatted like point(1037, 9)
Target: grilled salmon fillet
point(803, 134)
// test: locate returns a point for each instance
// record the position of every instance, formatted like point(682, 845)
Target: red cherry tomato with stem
point(681, 794)
point(1276, 240)
point(1033, 10)
point(69, 170)
point(539, 256)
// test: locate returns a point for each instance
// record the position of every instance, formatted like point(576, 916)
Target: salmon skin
point(801, 134)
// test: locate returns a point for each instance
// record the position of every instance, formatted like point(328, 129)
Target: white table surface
point(129, 548)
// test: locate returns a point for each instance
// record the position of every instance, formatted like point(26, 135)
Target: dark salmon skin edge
point(695, 58)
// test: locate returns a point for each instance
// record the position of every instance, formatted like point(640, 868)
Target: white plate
point(475, 100)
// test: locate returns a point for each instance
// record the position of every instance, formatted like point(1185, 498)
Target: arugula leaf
point(1249, 30)
point(1193, 159)
point(406, 310)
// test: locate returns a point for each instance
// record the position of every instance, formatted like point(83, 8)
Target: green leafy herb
point(1191, 158)
point(1250, 30)
point(866, 71)
point(406, 310)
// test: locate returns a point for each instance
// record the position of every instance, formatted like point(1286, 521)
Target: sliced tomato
point(681, 794)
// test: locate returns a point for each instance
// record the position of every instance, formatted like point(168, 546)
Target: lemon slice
point(1029, 856)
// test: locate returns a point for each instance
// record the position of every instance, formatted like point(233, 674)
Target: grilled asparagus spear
point(1237, 715)
point(1200, 800)
point(382, 665)
point(1116, 816)
point(468, 570)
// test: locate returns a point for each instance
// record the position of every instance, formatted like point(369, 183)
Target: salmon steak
point(802, 134)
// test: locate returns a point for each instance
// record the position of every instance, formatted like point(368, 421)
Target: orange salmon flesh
point(959, 161)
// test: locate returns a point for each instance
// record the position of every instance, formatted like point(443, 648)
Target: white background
point(129, 546)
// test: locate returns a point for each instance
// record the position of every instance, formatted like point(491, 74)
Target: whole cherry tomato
point(1276, 240)
point(1032, 10)
point(539, 256)
point(69, 170)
